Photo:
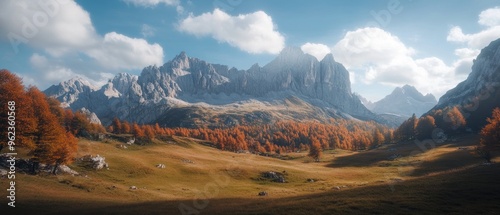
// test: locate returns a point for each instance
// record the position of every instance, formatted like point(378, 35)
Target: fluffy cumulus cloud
point(63, 30)
point(490, 20)
point(472, 43)
point(367, 46)
point(315, 49)
point(376, 56)
point(118, 51)
point(52, 72)
point(252, 33)
point(490, 17)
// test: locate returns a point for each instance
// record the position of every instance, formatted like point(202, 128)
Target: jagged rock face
point(479, 94)
point(185, 81)
point(69, 91)
point(92, 117)
point(405, 101)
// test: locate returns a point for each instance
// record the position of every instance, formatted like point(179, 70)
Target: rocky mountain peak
point(185, 81)
point(404, 101)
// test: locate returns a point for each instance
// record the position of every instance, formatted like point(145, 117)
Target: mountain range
point(191, 92)
point(401, 104)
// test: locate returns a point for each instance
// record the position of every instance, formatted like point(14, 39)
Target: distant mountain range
point(191, 92)
point(401, 104)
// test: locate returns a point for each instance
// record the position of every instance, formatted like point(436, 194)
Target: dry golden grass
point(205, 180)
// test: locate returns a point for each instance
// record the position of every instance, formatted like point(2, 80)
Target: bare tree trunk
point(54, 171)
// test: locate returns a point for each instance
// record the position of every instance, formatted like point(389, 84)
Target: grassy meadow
point(198, 179)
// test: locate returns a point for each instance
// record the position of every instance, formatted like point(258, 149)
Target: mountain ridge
point(191, 82)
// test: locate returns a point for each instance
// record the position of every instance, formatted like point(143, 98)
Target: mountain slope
point(405, 101)
point(295, 85)
point(480, 92)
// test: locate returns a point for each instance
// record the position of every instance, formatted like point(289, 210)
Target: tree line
point(451, 121)
point(279, 137)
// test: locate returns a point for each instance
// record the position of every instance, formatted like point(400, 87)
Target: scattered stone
point(131, 141)
point(133, 188)
point(187, 161)
point(67, 170)
point(121, 146)
point(274, 176)
point(337, 187)
point(263, 193)
point(3, 172)
point(486, 164)
point(161, 166)
point(344, 186)
point(310, 180)
point(95, 162)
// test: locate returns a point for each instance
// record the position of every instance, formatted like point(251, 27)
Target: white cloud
point(317, 50)
point(152, 3)
point(490, 17)
point(474, 42)
point(50, 72)
point(118, 51)
point(376, 56)
point(57, 26)
point(253, 33)
point(366, 46)
point(64, 30)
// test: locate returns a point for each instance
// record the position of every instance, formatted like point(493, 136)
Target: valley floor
point(406, 178)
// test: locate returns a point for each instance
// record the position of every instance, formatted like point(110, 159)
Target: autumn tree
point(378, 137)
point(406, 131)
point(64, 152)
point(137, 131)
point(455, 119)
point(490, 135)
point(126, 129)
point(52, 145)
point(117, 125)
point(149, 133)
point(21, 110)
point(425, 126)
point(315, 151)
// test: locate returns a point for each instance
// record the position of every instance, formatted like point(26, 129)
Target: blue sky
point(383, 43)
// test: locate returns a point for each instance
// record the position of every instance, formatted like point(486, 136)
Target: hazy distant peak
point(328, 58)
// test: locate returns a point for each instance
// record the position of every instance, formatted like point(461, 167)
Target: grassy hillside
point(198, 179)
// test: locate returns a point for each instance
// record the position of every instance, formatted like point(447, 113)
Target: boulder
point(160, 166)
point(274, 176)
point(67, 170)
point(133, 188)
point(263, 193)
point(95, 162)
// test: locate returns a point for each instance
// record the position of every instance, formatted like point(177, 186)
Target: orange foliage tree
point(490, 135)
point(315, 151)
point(52, 144)
point(12, 90)
point(425, 126)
